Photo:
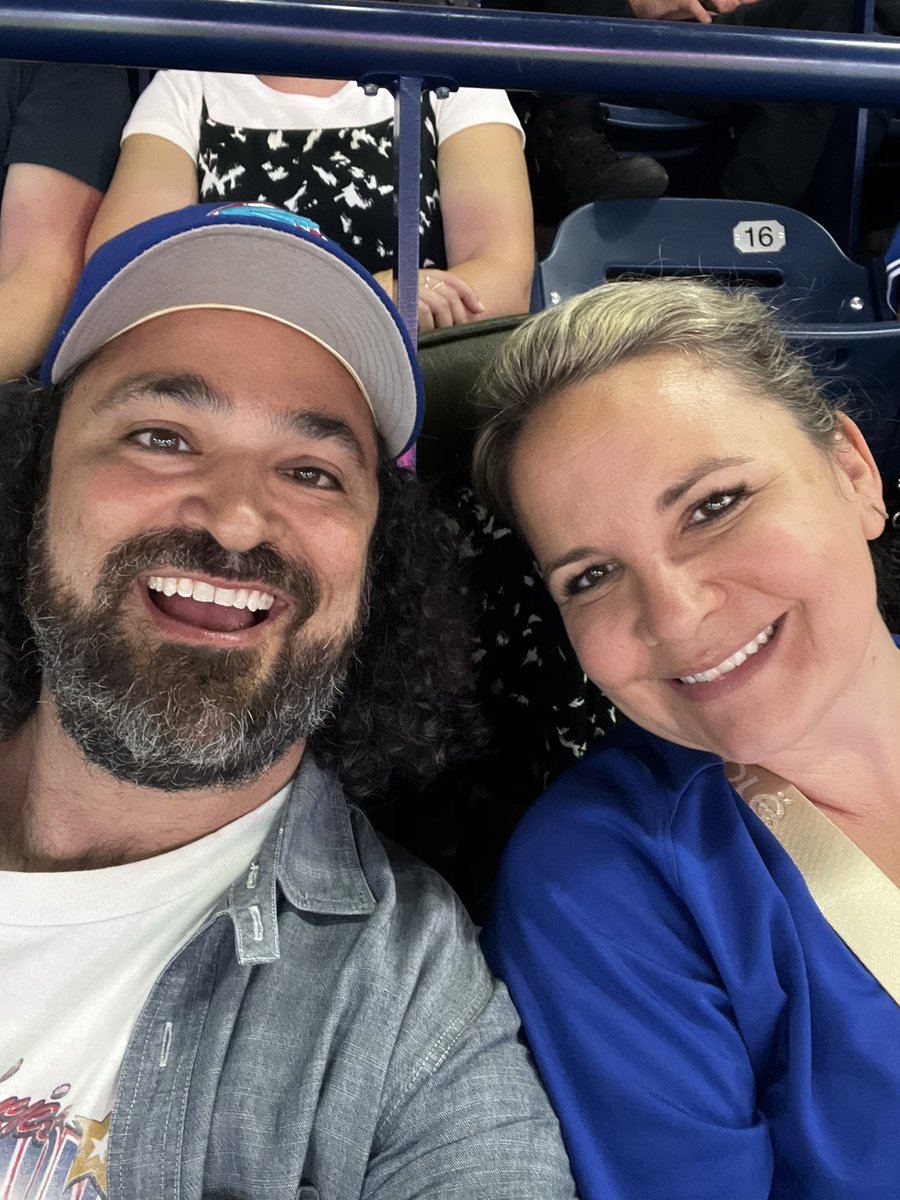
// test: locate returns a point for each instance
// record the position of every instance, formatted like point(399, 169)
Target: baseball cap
point(255, 258)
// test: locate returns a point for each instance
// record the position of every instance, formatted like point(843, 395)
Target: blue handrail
point(466, 46)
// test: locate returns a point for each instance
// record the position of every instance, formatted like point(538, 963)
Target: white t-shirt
point(172, 105)
point(80, 952)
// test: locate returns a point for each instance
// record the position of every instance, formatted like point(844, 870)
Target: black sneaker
point(572, 163)
point(592, 170)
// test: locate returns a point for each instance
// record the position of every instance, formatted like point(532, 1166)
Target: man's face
point(198, 571)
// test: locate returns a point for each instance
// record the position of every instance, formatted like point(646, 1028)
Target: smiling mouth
point(735, 660)
point(203, 605)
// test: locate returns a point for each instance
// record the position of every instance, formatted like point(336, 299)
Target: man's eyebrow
point(321, 427)
point(192, 391)
point(682, 486)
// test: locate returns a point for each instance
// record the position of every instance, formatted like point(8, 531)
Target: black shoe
point(572, 163)
point(592, 170)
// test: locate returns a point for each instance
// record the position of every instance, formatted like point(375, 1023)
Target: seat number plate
point(759, 237)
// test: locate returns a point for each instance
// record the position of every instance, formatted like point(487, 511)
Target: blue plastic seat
point(860, 366)
point(806, 275)
point(693, 150)
point(657, 121)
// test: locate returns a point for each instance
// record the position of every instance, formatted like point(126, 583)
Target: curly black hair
point(409, 706)
point(408, 703)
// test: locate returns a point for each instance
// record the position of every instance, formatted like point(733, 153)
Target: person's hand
point(683, 10)
point(445, 300)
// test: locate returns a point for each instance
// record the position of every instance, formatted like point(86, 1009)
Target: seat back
point(692, 150)
point(451, 360)
point(787, 257)
point(657, 123)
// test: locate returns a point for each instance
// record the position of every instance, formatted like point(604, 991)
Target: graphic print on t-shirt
point(341, 178)
point(81, 951)
point(48, 1152)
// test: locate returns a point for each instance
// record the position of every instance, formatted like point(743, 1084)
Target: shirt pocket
point(306, 1191)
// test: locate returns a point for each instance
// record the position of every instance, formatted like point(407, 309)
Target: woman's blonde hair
point(594, 332)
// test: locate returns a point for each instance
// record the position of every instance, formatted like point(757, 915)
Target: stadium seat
point(793, 262)
point(860, 366)
point(658, 122)
point(691, 149)
point(451, 360)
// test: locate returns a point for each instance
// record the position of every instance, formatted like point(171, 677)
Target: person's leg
point(887, 17)
point(777, 147)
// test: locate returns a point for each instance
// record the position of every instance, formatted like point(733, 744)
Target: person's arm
point(488, 230)
point(45, 216)
point(463, 1115)
point(486, 209)
point(625, 1011)
point(153, 176)
point(61, 151)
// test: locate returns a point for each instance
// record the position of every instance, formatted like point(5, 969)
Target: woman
point(699, 923)
point(323, 148)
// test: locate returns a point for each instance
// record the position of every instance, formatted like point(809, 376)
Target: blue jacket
point(702, 1030)
point(332, 1032)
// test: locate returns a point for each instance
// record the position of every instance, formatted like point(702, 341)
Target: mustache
point(195, 551)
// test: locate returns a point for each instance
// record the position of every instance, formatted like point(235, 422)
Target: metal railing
point(458, 45)
point(408, 48)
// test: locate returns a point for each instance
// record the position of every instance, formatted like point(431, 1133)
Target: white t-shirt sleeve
point(474, 106)
point(170, 107)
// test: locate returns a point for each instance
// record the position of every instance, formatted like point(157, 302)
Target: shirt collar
point(311, 853)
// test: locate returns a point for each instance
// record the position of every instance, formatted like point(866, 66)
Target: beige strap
point(856, 898)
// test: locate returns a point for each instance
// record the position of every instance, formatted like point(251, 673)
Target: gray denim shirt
point(331, 1032)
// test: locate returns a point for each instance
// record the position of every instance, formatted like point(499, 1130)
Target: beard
point(171, 715)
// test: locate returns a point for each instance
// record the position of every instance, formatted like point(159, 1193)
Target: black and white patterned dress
point(329, 158)
point(341, 178)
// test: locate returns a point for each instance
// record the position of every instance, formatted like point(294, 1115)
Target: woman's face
point(686, 528)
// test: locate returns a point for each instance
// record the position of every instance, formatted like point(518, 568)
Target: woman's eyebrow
point(681, 487)
point(571, 556)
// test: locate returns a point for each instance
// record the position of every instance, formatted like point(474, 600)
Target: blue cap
point(255, 258)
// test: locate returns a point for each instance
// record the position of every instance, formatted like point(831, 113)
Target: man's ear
point(859, 475)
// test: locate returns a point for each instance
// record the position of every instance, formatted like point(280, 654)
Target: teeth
point(734, 660)
point(205, 593)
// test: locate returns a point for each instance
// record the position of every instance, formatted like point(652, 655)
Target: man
point(59, 140)
point(219, 982)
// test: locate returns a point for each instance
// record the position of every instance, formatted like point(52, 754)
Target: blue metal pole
point(408, 198)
